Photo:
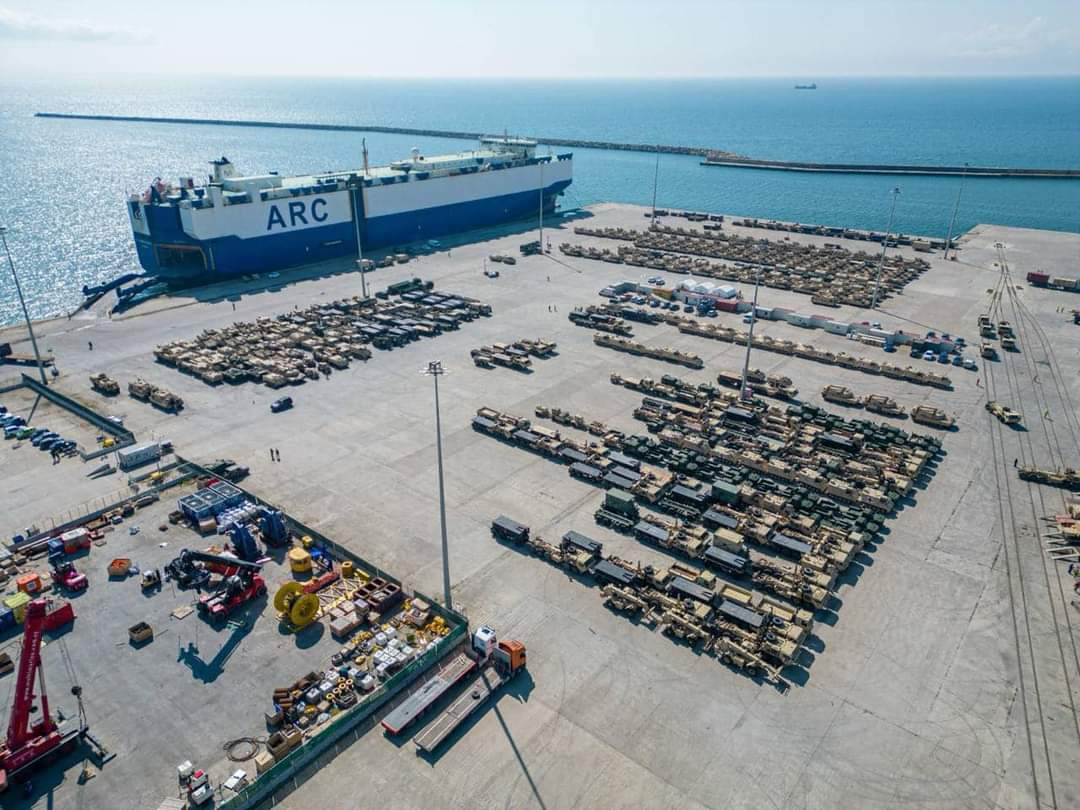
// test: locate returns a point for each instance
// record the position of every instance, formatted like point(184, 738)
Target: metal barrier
point(80, 410)
point(100, 506)
point(266, 783)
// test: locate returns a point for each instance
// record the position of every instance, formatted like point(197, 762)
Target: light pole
point(363, 283)
point(884, 246)
point(541, 208)
point(359, 196)
point(655, 182)
point(956, 209)
point(744, 389)
point(22, 301)
point(435, 370)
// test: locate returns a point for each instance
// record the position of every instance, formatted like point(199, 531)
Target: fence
point(90, 510)
point(287, 768)
point(80, 410)
point(263, 787)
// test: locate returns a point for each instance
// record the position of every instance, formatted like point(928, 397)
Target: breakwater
point(712, 157)
point(739, 162)
point(694, 151)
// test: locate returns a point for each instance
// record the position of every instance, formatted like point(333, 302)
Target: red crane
point(28, 743)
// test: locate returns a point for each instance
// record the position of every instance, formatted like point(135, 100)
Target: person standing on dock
point(90, 343)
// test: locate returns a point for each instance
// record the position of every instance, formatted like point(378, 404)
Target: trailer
point(434, 688)
point(500, 662)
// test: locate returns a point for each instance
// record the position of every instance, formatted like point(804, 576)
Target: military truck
point(1004, 413)
point(876, 403)
point(104, 384)
point(932, 417)
point(840, 395)
point(618, 512)
point(140, 390)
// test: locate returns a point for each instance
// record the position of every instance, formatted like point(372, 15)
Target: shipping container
point(131, 457)
point(1038, 279)
point(726, 306)
point(836, 327)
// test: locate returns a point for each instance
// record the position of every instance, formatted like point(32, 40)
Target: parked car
point(41, 431)
point(943, 358)
point(24, 432)
point(688, 308)
point(49, 442)
point(929, 355)
point(37, 438)
point(970, 364)
point(279, 405)
point(491, 273)
point(747, 318)
point(957, 360)
point(915, 353)
point(11, 430)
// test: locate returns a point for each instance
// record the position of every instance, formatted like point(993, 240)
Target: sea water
point(63, 183)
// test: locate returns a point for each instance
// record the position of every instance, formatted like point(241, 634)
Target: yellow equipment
point(348, 569)
point(299, 561)
point(299, 609)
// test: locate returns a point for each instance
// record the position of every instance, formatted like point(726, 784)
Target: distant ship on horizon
point(811, 86)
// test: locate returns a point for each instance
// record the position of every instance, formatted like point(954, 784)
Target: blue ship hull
point(233, 256)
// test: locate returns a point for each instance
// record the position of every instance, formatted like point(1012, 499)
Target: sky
point(547, 39)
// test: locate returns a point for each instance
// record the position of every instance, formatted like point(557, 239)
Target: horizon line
point(488, 78)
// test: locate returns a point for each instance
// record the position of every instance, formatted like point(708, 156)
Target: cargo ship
point(234, 225)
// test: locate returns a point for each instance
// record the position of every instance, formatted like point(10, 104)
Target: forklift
point(241, 582)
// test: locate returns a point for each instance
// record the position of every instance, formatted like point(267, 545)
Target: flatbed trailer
point(489, 681)
point(421, 700)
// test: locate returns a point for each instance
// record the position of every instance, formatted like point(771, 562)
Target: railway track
point(1039, 606)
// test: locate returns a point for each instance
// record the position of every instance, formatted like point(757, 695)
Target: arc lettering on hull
point(298, 213)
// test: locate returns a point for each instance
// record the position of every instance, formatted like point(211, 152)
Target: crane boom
point(19, 731)
point(235, 562)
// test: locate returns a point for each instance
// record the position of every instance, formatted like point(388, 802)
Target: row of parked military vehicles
point(516, 355)
point(140, 390)
point(830, 275)
point(302, 345)
point(758, 635)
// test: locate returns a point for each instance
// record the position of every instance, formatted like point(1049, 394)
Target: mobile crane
point(31, 744)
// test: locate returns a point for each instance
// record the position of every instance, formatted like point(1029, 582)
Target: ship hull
point(185, 244)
